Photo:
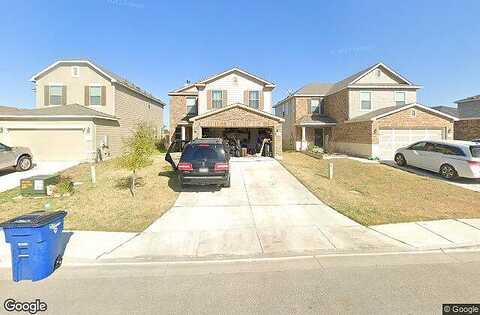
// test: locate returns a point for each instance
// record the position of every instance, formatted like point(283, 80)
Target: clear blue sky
point(159, 45)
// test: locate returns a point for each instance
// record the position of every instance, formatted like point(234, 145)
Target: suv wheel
point(400, 159)
point(24, 163)
point(448, 172)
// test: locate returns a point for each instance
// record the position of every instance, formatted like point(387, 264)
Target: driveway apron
point(265, 212)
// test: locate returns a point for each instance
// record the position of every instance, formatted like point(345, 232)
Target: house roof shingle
point(315, 119)
point(469, 99)
point(452, 111)
point(72, 110)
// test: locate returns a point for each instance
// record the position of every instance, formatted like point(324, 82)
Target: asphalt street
point(383, 284)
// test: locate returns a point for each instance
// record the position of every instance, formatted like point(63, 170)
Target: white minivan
point(450, 158)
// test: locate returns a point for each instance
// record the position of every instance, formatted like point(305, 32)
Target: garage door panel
point(51, 144)
point(392, 139)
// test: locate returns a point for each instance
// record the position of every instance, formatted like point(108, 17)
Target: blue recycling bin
point(36, 243)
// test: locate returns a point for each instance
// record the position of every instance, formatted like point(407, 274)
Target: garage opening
point(392, 139)
point(244, 142)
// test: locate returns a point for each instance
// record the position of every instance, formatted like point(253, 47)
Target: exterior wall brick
point(336, 105)
point(178, 111)
point(467, 129)
point(359, 132)
point(241, 118)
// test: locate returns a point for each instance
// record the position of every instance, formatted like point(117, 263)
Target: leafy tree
point(138, 150)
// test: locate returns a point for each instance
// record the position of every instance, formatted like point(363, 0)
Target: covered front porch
point(313, 131)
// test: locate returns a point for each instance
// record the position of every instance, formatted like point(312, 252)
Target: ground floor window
point(178, 133)
point(319, 137)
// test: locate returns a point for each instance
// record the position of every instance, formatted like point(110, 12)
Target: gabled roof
point(386, 111)
point(469, 99)
point(340, 85)
point(239, 105)
point(205, 80)
point(323, 89)
point(62, 111)
point(115, 78)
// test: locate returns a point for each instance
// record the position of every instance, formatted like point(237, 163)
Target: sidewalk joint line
point(434, 232)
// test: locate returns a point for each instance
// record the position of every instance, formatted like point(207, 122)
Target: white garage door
point(392, 139)
point(51, 144)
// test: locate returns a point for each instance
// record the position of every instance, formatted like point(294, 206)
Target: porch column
point(183, 132)
point(304, 140)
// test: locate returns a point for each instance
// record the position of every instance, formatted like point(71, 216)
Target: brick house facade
point(370, 113)
point(233, 101)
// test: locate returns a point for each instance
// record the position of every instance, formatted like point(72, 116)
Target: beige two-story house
point(369, 114)
point(82, 110)
point(232, 103)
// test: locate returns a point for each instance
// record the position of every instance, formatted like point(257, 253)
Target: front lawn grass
point(377, 194)
point(108, 206)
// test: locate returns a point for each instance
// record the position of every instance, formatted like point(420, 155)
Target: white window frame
point(397, 101)
point(50, 94)
point(319, 106)
point(254, 100)
point(194, 105)
point(370, 100)
point(90, 95)
point(75, 71)
point(219, 92)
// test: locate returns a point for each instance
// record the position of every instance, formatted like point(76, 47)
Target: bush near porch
point(378, 194)
point(109, 206)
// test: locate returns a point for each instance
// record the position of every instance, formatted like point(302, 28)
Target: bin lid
point(34, 219)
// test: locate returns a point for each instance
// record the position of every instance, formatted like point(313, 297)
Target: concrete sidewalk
point(81, 246)
point(434, 234)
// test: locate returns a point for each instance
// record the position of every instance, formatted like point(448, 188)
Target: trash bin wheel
point(58, 262)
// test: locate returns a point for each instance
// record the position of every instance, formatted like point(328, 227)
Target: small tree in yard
point(138, 151)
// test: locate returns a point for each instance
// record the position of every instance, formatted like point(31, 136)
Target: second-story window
point(399, 98)
point(365, 100)
point(254, 99)
point(55, 93)
point(316, 106)
point(217, 99)
point(96, 95)
point(191, 105)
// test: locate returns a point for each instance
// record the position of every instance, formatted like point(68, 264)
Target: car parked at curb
point(450, 158)
point(18, 157)
point(203, 161)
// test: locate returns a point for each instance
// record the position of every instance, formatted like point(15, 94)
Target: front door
point(319, 137)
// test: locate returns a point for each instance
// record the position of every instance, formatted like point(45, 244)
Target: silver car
point(450, 158)
point(18, 157)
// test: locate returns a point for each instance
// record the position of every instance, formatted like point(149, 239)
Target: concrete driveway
point(467, 183)
point(9, 178)
point(267, 211)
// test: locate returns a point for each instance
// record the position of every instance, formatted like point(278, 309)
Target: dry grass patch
point(377, 194)
point(109, 206)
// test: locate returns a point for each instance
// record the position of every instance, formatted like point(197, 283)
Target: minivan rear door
point(174, 152)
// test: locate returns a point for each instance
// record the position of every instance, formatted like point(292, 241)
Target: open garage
point(248, 126)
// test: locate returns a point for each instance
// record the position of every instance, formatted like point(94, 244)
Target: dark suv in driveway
point(201, 162)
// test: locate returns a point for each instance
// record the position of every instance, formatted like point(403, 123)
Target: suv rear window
point(203, 152)
point(475, 150)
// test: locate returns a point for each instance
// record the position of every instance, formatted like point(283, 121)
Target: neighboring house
point(231, 102)
point(468, 125)
point(81, 108)
point(371, 113)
